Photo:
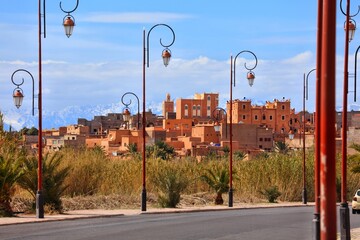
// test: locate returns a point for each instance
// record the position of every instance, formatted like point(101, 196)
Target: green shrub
point(170, 184)
point(271, 194)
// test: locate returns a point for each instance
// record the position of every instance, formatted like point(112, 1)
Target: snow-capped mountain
point(18, 118)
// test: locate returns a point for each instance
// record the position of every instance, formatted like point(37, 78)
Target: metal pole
point(231, 136)
point(39, 194)
point(316, 219)
point(304, 192)
point(143, 193)
point(344, 208)
point(327, 126)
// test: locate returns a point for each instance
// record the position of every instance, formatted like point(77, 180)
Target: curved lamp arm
point(342, 10)
point(18, 84)
point(248, 68)
point(128, 103)
point(307, 82)
point(68, 12)
point(161, 43)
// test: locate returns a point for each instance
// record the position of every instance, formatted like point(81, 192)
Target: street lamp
point(166, 55)
point(305, 96)
point(18, 94)
point(69, 20)
point(129, 103)
point(349, 28)
point(251, 78)
point(218, 118)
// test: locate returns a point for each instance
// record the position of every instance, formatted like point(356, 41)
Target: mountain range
point(18, 119)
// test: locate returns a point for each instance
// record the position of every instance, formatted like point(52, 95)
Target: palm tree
point(218, 180)
point(11, 158)
point(53, 179)
point(281, 147)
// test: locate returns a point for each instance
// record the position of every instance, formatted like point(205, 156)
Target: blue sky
point(103, 58)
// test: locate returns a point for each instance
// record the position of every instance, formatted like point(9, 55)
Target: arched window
point(186, 108)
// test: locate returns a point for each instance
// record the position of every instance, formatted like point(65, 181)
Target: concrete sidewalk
point(96, 213)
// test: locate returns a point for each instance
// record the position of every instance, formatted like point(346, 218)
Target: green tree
point(160, 150)
point(226, 150)
point(53, 178)
point(11, 158)
point(355, 158)
point(133, 150)
point(218, 180)
point(239, 155)
point(170, 184)
point(281, 147)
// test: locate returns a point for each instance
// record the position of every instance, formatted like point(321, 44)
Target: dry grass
point(97, 181)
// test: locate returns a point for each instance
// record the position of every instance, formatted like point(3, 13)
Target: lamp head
point(126, 115)
point(166, 55)
point(251, 77)
point(69, 23)
point(352, 28)
point(18, 97)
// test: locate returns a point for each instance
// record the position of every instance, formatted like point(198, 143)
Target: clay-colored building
point(275, 115)
point(200, 107)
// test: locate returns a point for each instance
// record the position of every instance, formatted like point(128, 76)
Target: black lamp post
point(218, 117)
point(166, 55)
point(305, 96)
point(251, 77)
point(127, 104)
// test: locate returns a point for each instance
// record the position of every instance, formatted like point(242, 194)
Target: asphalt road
point(266, 223)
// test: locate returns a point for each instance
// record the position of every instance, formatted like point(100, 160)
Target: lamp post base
point(344, 221)
point(39, 205)
point(304, 196)
point(231, 197)
point(143, 200)
point(316, 222)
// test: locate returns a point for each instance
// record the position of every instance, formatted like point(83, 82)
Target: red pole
point(143, 193)
point(231, 137)
point(39, 196)
point(316, 219)
point(344, 208)
point(327, 124)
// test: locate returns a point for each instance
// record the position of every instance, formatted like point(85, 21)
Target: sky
point(103, 58)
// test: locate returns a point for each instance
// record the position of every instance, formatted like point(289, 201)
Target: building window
point(283, 107)
point(243, 106)
point(264, 117)
point(271, 117)
point(194, 111)
point(243, 117)
point(283, 117)
point(186, 107)
point(256, 117)
point(260, 139)
point(199, 110)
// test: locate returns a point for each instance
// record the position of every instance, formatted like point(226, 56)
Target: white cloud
point(133, 17)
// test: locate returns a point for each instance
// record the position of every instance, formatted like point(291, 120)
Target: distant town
point(197, 126)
